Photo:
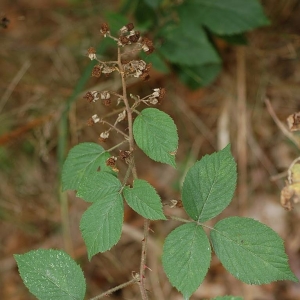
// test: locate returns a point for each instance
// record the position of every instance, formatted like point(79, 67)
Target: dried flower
point(97, 71)
point(121, 116)
point(158, 93)
point(91, 96)
point(111, 162)
point(95, 118)
point(108, 69)
point(147, 45)
point(123, 30)
point(135, 68)
point(104, 29)
point(126, 28)
point(92, 53)
point(124, 154)
point(130, 26)
point(162, 93)
point(104, 95)
point(153, 101)
point(134, 36)
point(103, 136)
point(123, 40)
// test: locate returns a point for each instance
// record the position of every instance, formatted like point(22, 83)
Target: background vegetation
point(44, 75)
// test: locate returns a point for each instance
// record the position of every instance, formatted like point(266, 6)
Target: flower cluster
point(138, 69)
point(129, 43)
point(91, 96)
point(156, 97)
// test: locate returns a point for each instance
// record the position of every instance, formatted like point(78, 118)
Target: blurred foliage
point(184, 32)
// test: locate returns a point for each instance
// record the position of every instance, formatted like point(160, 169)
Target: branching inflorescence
point(130, 43)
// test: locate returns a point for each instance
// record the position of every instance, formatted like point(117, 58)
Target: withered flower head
point(93, 120)
point(111, 162)
point(129, 26)
point(124, 40)
point(147, 45)
point(96, 72)
point(91, 96)
point(134, 36)
point(104, 29)
point(126, 28)
point(124, 154)
point(92, 53)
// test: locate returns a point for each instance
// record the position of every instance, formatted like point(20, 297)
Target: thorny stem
point(134, 174)
point(116, 288)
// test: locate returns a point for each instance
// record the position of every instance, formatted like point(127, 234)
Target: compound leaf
point(101, 224)
point(251, 251)
point(156, 134)
point(144, 200)
point(209, 185)
point(51, 274)
point(82, 161)
point(98, 186)
point(186, 257)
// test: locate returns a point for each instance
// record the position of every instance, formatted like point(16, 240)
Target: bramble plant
point(248, 249)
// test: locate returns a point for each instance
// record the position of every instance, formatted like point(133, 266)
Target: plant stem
point(134, 174)
point(116, 146)
point(115, 128)
point(128, 109)
point(143, 260)
point(116, 288)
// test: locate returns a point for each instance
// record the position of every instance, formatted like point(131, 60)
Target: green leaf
point(101, 224)
point(98, 185)
point(51, 274)
point(186, 257)
point(82, 161)
point(187, 44)
point(144, 200)
point(227, 298)
point(209, 185)
point(156, 134)
point(225, 17)
point(199, 75)
point(251, 251)
point(153, 3)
